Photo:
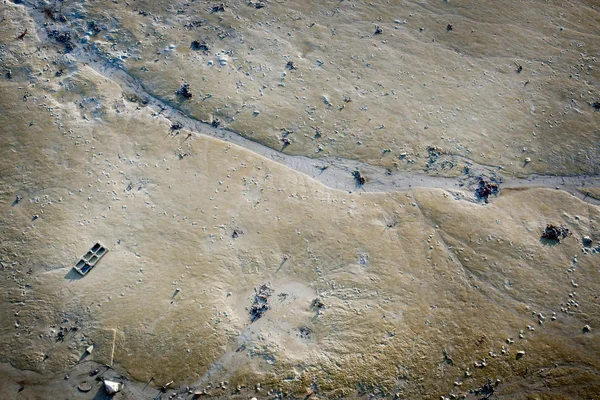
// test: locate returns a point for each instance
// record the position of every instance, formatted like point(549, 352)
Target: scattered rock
point(89, 349)
point(586, 329)
point(222, 59)
point(62, 37)
point(433, 156)
point(378, 30)
point(520, 354)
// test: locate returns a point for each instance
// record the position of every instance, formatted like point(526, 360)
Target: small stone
point(90, 349)
point(586, 329)
point(527, 160)
point(520, 354)
point(587, 241)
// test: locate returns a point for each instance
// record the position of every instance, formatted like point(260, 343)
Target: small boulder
point(112, 387)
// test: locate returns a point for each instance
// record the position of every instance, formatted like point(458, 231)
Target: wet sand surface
point(365, 222)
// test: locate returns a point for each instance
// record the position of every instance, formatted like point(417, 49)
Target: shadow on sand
point(73, 275)
point(548, 242)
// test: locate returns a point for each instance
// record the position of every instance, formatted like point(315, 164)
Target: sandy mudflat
point(246, 255)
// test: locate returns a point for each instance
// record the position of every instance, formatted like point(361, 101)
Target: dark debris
point(218, 8)
point(487, 390)
point(198, 45)
point(184, 91)
point(555, 233)
point(360, 180)
point(261, 303)
point(62, 37)
point(486, 189)
point(317, 304)
point(305, 332)
point(434, 153)
point(236, 233)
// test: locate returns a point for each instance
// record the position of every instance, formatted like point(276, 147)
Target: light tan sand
point(405, 277)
